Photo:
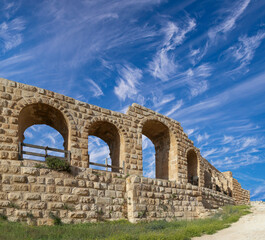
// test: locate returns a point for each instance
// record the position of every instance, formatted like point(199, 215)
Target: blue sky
point(199, 62)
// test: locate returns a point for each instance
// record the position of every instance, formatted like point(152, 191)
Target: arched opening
point(148, 153)
point(208, 179)
point(40, 113)
point(109, 133)
point(43, 135)
point(158, 133)
point(98, 152)
point(192, 162)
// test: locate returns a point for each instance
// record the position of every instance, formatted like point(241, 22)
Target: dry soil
point(249, 227)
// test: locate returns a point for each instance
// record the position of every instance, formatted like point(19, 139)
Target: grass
point(123, 230)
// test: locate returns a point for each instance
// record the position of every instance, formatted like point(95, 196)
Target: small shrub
point(3, 216)
point(68, 207)
point(174, 195)
point(100, 215)
point(57, 164)
point(38, 165)
point(142, 214)
point(56, 220)
point(13, 205)
point(164, 207)
point(30, 215)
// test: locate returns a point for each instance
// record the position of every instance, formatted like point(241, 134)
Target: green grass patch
point(123, 230)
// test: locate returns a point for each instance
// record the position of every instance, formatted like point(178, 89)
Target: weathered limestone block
point(55, 205)
point(38, 188)
point(20, 187)
point(51, 197)
point(80, 191)
point(70, 182)
point(39, 205)
point(63, 190)
point(70, 198)
point(32, 196)
point(79, 214)
point(14, 196)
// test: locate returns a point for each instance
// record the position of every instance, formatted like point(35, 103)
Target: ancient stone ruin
point(186, 186)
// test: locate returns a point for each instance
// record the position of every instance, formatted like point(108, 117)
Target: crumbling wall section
point(240, 195)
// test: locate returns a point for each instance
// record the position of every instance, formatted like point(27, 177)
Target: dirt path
point(249, 227)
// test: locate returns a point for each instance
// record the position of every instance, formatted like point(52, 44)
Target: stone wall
point(180, 168)
point(31, 194)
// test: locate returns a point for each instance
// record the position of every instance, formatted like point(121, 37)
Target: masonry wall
point(22, 106)
point(31, 194)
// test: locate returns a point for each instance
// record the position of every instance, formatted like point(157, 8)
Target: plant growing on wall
point(57, 164)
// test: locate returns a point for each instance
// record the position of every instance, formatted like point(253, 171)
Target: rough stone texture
point(186, 185)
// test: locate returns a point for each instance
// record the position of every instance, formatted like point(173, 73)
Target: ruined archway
point(40, 113)
point(158, 133)
point(192, 167)
point(109, 133)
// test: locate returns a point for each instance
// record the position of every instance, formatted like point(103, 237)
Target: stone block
point(103, 200)
point(14, 196)
point(37, 205)
point(32, 196)
point(80, 191)
point(110, 193)
point(55, 205)
point(70, 182)
point(20, 187)
point(69, 198)
point(51, 197)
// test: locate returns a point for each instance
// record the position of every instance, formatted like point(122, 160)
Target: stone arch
point(44, 111)
point(111, 133)
point(159, 133)
point(192, 166)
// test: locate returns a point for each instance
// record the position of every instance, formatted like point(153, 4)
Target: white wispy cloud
point(237, 161)
point(245, 49)
point(258, 192)
point(196, 79)
point(200, 88)
point(246, 142)
point(146, 142)
point(209, 152)
point(158, 102)
point(128, 82)
point(228, 18)
point(196, 55)
point(10, 33)
point(95, 88)
point(190, 131)
point(175, 35)
point(28, 134)
point(227, 139)
point(164, 65)
point(175, 107)
point(99, 154)
point(202, 137)
point(250, 87)
point(230, 21)
point(51, 137)
point(98, 150)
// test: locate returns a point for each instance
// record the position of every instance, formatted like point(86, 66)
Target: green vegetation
point(119, 230)
point(57, 164)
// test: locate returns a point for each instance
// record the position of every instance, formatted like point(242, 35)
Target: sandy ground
point(249, 227)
